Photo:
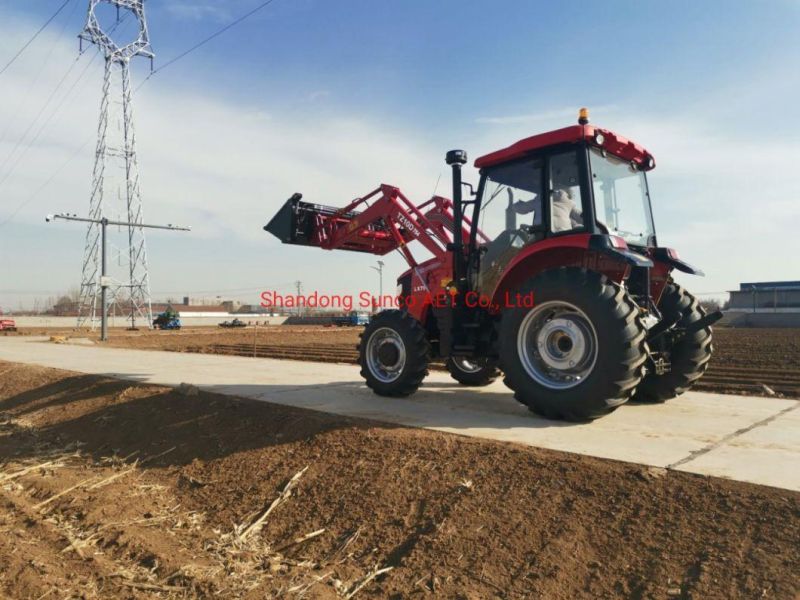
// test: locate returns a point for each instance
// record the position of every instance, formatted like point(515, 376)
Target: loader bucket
point(300, 222)
point(284, 224)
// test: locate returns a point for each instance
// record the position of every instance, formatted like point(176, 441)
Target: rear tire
point(394, 353)
point(689, 357)
point(472, 372)
point(579, 353)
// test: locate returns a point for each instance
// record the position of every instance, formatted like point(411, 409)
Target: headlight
point(599, 138)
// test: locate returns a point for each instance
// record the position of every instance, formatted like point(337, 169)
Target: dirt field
point(109, 489)
point(745, 359)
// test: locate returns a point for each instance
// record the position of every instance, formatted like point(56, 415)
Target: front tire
point(474, 372)
point(579, 352)
point(394, 353)
point(689, 356)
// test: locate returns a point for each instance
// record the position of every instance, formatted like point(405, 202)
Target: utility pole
point(105, 281)
point(115, 187)
point(379, 269)
point(299, 287)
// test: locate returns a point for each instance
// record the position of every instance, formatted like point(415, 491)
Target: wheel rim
point(467, 365)
point(386, 355)
point(557, 345)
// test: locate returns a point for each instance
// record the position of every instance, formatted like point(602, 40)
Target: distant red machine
point(563, 218)
point(6, 323)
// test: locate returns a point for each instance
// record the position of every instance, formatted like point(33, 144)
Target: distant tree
point(63, 306)
point(66, 304)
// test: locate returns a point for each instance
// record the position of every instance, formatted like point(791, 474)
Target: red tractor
point(7, 323)
point(550, 273)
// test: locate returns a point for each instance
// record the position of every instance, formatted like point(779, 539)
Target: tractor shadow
point(436, 404)
point(104, 415)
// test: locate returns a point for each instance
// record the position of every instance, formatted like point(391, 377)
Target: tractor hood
point(608, 140)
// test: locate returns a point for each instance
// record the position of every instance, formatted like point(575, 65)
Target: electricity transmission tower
point(115, 192)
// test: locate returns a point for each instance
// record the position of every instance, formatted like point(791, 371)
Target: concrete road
point(738, 437)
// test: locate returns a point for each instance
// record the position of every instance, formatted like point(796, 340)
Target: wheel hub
point(388, 353)
point(557, 345)
point(561, 344)
point(385, 354)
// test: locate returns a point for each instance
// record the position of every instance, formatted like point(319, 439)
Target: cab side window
point(512, 197)
point(566, 212)
point(511, 205)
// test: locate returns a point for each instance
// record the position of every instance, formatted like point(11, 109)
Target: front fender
point(670, 257)
point(619, 250)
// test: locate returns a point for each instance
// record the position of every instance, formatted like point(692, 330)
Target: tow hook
point(660, 365)
point(706, 321)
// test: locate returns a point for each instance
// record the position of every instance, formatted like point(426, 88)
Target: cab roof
point(613, 143)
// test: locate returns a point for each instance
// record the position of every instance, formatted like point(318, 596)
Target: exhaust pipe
point(456, 158)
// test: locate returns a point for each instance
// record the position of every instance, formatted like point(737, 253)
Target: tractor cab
point(577, 180)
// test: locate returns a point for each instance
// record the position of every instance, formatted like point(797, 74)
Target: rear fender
point(665, 261)
point(562, 251)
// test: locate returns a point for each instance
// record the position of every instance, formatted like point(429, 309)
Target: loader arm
point(378, 223)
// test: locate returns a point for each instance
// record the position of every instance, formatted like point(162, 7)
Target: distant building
point(256, 309)
point(189, 301)
point(766, 296)
point(184, 309)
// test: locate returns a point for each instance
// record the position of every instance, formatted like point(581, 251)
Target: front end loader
point(550, 274)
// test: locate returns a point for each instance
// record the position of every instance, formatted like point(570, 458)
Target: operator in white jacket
point(565, 215)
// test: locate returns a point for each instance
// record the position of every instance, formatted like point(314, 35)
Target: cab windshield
point(622, 202)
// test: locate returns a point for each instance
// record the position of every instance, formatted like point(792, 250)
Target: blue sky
point(332, 98)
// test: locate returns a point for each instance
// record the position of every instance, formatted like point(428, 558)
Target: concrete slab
point(744, 438)
point(765, 453)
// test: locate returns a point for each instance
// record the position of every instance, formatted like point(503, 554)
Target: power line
point(35, 35)
point(74, 155)
point(42, 64)
point(47, 122)
point(41, 112)
point(161, 68)
point(42, 187)
point(47, 103)
point(206, 40)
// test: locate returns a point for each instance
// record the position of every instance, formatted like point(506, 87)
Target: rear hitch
point(706, 321)
point(664, 325)
point(667, 325)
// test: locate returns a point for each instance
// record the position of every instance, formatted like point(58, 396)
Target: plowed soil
point(116, 490)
